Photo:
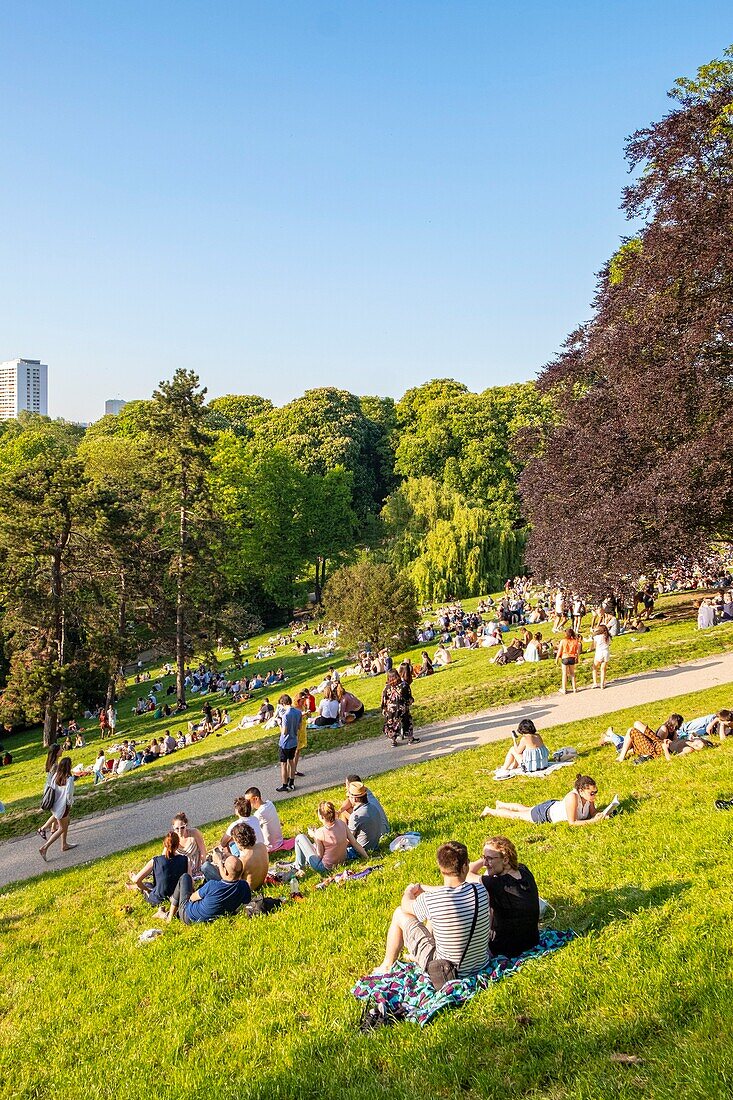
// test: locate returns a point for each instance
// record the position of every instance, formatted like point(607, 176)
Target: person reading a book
point(578, 807)
point(528, 753)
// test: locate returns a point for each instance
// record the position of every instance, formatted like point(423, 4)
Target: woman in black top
point(165, 871)
point(513, 895)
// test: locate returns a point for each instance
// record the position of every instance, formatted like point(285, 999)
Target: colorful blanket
point(408, 991)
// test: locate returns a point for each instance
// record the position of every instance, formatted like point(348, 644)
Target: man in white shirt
point(244, 810)
point(459, 916)
point(266, 815)
point(112, 720)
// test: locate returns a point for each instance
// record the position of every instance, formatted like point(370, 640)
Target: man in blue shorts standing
point(289, 719)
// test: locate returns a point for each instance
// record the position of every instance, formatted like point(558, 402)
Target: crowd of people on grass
point(486, 907)
point(449, 628)
point(673, 738)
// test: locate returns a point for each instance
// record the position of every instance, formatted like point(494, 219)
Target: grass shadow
point(599, 909)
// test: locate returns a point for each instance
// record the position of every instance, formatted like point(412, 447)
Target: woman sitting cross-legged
point(513, 896)
point(159, 877)
point(530, 753)
point(329, 845)
point(578, 807)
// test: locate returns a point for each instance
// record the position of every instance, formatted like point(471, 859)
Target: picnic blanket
point(408, 991)
point(542, 774)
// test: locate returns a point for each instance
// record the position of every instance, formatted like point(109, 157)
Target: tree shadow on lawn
point(598, 909)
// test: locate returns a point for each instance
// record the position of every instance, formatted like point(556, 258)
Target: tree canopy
point(373, 604)
point(636, 466)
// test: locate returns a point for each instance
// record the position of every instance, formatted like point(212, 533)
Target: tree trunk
point(121, 632)
point(50, 713)
point(317, 588)
point(180, 590)
point(50, 718)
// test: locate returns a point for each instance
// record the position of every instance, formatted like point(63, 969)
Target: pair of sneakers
point(289, 786)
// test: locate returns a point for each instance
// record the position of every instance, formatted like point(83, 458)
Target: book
point(611, 808)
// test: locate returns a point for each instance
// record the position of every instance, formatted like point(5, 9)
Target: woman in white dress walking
point(62, 782)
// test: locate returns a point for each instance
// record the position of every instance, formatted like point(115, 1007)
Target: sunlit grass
point(470, 683)
point(262, 1008)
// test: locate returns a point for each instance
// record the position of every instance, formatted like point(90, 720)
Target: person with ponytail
point(159, 877)
point(52, 759)
point(578, 807)
point(62, 783)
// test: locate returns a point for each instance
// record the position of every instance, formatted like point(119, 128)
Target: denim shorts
point(541, 814)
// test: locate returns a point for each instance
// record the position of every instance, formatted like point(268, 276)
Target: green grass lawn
point(262, 1009)
point(470, 683)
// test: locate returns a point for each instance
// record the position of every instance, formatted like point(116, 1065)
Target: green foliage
point(462, 440)
point(372, 604)
point(620, 260)
point(234, 413)
point(46, 509)
point(455, 521)
point(447, 546)
point(329, 428)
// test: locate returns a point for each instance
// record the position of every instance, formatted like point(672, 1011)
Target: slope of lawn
point(262, 1008)
point(470, 683)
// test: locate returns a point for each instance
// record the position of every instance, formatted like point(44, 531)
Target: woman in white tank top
point(578, 807)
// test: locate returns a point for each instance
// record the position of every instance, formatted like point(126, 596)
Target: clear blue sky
point(293, 194)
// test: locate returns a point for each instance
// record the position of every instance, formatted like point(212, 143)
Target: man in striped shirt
point(459, 916)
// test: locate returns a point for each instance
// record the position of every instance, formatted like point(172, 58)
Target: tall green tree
point(373, 604)
point(46, 533)
point(235, 413)
point(326, 429)
point(448, 546)
point(178, 428)
point(463, 440)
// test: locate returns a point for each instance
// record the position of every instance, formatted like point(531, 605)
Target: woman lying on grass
point(578, 807)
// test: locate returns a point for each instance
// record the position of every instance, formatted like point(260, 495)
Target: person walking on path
point(602, 644)
point(396, 703)
point(63, 787)
point(568, 652)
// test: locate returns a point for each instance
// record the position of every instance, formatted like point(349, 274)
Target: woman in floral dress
point(396, 703)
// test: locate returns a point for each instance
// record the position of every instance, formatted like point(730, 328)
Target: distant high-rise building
point(111, 408)
point(23, 385)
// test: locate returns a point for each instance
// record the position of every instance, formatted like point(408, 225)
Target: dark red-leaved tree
point(638, 465)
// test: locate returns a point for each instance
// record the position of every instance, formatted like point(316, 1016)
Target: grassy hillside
point(262, 1009)
point(470, 683)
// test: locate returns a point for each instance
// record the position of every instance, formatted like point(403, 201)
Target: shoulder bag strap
point(473, 926)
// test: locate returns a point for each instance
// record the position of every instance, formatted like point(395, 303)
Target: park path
point(126, 826)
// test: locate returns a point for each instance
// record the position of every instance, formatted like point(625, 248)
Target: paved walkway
point(126, 826)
